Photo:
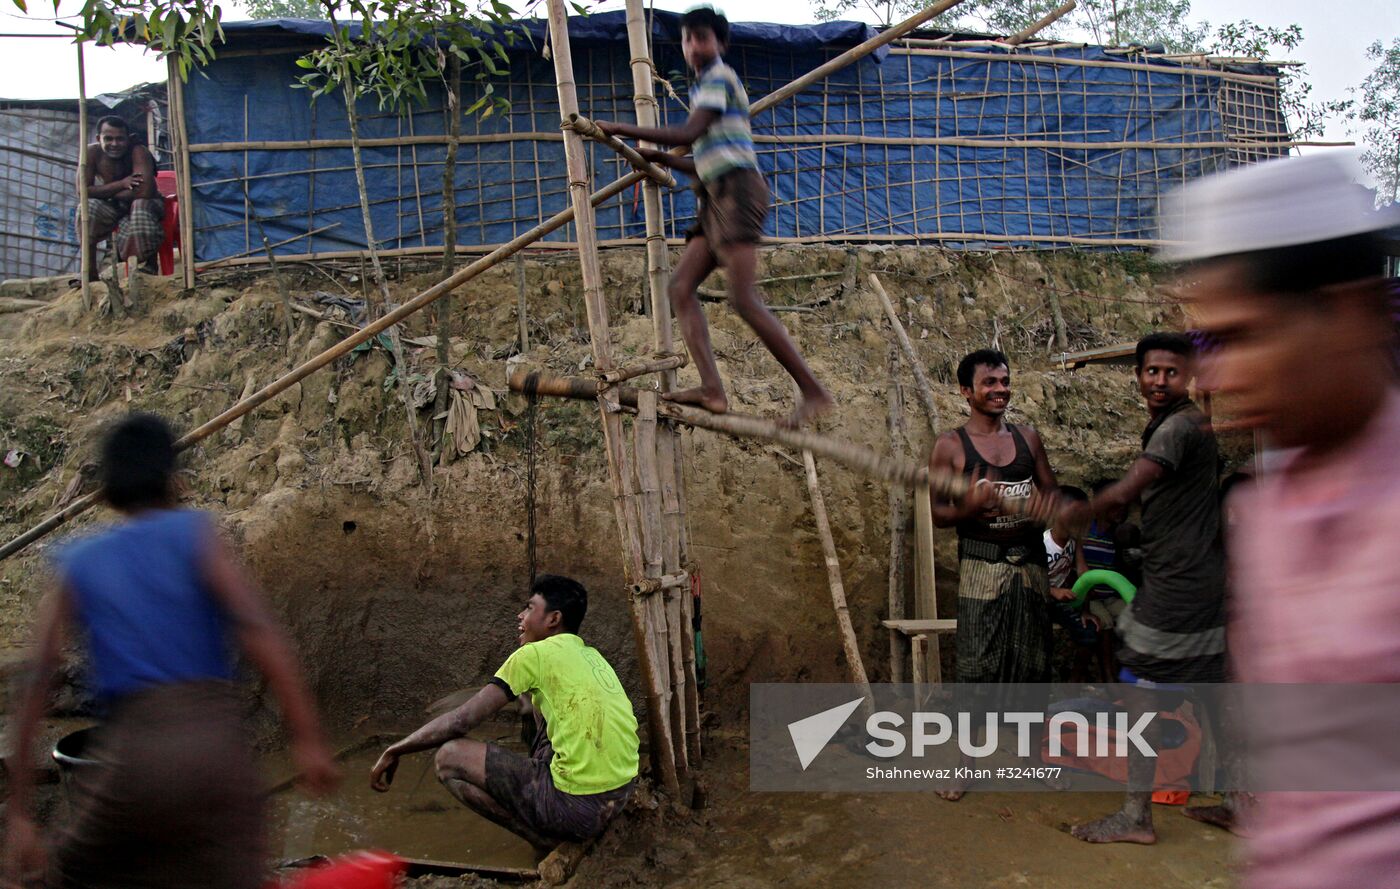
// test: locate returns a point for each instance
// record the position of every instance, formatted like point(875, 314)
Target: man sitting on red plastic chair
point(123, 201)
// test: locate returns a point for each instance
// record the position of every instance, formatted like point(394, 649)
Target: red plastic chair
point(165, 184)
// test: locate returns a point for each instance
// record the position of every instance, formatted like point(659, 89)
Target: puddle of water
point(417, 818)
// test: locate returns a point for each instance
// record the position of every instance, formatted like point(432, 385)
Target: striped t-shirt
point(727, 144)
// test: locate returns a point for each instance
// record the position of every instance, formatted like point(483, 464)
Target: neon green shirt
point(587, 714)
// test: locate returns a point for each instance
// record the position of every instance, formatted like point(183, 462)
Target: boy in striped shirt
point(733, 204)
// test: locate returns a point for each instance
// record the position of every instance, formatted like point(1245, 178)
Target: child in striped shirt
point(733, 205)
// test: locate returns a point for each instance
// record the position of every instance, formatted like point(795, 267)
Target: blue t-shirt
point(142, 606)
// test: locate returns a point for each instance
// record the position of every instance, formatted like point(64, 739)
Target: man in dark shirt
point(1003, 630)
point(1174, 630)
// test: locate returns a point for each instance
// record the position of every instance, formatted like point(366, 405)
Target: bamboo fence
point(960, 143)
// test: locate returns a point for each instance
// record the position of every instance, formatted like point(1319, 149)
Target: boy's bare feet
point(714, 402)
point(809, 407)
point(1116, 828)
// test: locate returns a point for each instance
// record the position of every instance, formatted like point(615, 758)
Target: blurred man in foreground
point(1287, 276)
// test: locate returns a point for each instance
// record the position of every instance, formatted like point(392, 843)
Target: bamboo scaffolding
point(922, 385)
point(619, 467)
point(84, 226)
point(849, 644)
point(585, 127)
point(421, 301)
point(1041, 24)
point(685, 719)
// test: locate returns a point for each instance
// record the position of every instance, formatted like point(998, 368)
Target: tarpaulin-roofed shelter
point(963, 142)
point(39, 173)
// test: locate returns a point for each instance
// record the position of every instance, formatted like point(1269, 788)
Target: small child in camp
point(158, 601)
point(733, 204)
point(1064, 552)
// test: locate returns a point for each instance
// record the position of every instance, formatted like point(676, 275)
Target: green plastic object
point(1102, 577)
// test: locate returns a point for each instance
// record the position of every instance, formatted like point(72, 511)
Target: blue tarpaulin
point(967, 147)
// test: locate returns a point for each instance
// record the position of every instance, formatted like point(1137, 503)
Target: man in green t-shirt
point(583, 762)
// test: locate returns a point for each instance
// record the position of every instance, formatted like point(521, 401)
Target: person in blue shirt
point(733, 205)
point(158, 602)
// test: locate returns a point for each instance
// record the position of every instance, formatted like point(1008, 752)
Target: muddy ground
point(397, 595)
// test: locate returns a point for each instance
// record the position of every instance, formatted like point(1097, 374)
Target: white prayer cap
point(1277, 203)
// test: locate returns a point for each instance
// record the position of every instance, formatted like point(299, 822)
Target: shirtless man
point(122, 196)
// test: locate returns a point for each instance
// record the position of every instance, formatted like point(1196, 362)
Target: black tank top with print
point(1015, 481)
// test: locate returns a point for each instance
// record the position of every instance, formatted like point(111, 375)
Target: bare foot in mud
point(714, 402)
point(953, 796)
point(1217, 816)
point(1116, 828)
point(809, 407)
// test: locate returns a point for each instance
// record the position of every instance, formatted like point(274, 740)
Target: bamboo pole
point(930, 237)
point(924, 388)
point(373, 142)
point(521, 319)
point(621, 374)
point(424, 299)
point(863, 460)
point(184, 176)
point(679, 607)
point(585, 127)
point(660, 605)
point(1041, 24)
point(1264, 141)
point(838, 590)
point(853, 54)
point(899, 519)
point(619, 468)
point(925, 48)
point(84, 225)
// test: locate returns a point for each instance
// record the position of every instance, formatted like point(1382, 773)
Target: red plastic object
point(165, 184)
point(358, 870)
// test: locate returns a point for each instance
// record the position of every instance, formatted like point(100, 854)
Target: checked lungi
point(137, 228)
point(1003, 630)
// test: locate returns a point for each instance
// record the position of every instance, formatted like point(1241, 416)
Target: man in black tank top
point(1003, 630)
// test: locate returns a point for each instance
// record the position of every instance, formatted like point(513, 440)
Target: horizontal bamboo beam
point(585, 127)
point(824, 139)
point(666, 362)
point(932, 237)
point(863, 460)
point(926, 48)
point(664, 582)
point(378, 142)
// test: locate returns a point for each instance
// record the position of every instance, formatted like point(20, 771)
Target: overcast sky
point(1336, 36)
